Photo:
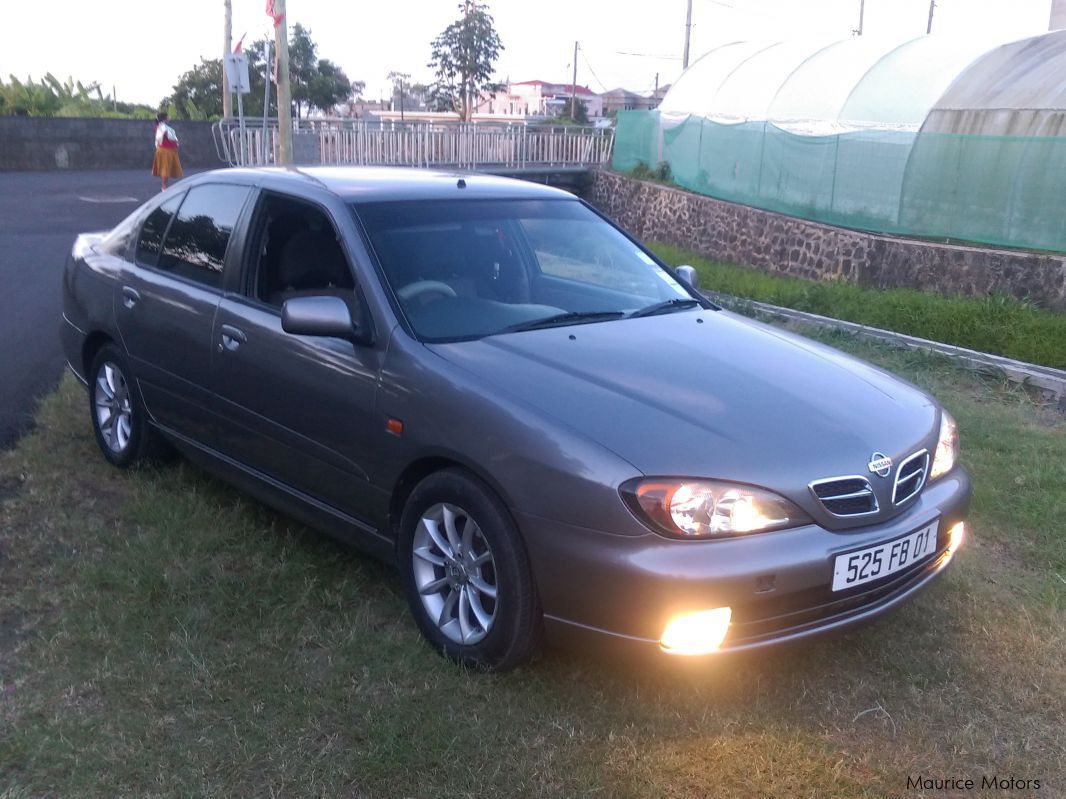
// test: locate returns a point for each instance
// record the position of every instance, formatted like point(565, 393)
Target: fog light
point(955, 536)
point(696, 633)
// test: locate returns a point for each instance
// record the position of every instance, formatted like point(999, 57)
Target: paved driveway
point(40, 213)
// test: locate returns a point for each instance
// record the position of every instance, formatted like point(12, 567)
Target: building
point(624, 100)
point(538, 98)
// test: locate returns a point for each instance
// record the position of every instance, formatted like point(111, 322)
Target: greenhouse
point(935, 137)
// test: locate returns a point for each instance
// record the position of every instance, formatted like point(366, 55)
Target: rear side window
point(150, 241)
point(195, 245)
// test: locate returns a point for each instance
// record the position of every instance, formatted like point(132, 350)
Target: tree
point(316, 83)
point(198, 93)
point(71, 98)
point(463, 58)
point(401, 82)
point(581, 113)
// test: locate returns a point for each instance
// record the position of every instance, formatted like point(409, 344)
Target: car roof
point(365, 184)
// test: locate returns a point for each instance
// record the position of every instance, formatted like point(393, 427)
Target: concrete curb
point(1051, 383)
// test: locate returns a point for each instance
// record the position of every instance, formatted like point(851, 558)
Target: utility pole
point(862, 13)
point(266, 103)
point(227, 45)
point(688, 34)
point(573, 89)
point(281, 43)
point(929, 27)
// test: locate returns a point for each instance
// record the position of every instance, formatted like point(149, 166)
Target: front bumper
point(778, 584)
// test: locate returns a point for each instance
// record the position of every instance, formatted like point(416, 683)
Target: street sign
point(237, 72)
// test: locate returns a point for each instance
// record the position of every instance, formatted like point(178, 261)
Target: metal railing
point(458, 145)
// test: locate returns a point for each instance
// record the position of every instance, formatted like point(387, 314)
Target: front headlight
point(709, 508)
point(947, 448)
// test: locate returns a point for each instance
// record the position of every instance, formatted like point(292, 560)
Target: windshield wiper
point(568, 318)
point(669, 306)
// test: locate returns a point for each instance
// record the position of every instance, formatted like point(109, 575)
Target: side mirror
point(323, 315)
point(688, 274)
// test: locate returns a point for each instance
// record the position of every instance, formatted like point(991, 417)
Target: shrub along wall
point(34, 143)
point(787, 245)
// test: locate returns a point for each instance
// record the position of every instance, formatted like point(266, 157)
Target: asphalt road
point(40, 214)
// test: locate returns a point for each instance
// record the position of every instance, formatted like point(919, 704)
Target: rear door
point(300, 409)
point(167, 302)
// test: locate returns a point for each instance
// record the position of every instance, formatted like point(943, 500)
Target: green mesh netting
point(640, 142)
point(1000, 190)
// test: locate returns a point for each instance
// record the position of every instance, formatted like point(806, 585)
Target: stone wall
point(36, 143)
point(787, 245)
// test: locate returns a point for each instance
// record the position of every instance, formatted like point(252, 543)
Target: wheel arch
point(418, 470)
point(94, 342)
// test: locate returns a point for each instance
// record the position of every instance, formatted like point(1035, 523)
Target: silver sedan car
point(490, 385)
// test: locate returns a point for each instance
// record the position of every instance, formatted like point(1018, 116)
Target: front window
point(473, 268)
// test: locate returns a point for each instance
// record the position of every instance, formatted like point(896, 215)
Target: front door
point(300, 409)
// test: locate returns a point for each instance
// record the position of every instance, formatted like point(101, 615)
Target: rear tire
point(119, 419)
point(466, 573)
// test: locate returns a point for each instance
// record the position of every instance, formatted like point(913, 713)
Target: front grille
point(910, 477)
point(846, 496)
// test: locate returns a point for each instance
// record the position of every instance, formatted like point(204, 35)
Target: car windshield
point(473, 268)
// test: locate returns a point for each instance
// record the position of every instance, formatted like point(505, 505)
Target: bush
point(995, 324)
point(660, 174)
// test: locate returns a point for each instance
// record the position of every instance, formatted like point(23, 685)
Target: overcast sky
point(142, 47)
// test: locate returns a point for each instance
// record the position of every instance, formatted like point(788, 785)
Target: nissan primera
point(490, 385)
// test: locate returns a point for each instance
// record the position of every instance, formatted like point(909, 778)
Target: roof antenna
point(461, 183)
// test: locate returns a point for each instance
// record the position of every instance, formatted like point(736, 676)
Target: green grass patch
point(998, 324)
point(163, 635)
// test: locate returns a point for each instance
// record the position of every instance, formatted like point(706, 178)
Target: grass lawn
point(161, 634)
point(1000, 325)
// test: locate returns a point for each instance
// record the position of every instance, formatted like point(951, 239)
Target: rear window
point(150, 242)
point(195, 245)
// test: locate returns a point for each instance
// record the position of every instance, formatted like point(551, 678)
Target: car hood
point(708, 393)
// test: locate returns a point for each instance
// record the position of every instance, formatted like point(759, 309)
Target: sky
point(141, 48)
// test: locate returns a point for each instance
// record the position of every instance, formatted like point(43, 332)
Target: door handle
point(232, 338)
point(130, 296)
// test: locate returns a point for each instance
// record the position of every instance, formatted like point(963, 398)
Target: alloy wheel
point(455, 573)
point(114, 413)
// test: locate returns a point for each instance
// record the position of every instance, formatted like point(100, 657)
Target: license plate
point(873, 563)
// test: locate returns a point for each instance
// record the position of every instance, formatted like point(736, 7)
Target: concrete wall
point(60, 143)
point(791, 246)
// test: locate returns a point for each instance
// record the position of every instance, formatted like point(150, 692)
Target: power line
point(649, 55)
point(592, 71)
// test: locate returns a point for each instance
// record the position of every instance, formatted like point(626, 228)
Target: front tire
point(120, 421)
point(466, 573)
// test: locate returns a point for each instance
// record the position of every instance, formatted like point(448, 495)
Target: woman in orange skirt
point(166, 164)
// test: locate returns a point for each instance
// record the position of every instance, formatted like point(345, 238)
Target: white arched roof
point(818, 89)
point(816, 86)
point(1017, 89)
point(902, 87)
point(693, 92)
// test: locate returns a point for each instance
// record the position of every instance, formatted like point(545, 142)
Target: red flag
point(240, 44)
point(272, 13)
